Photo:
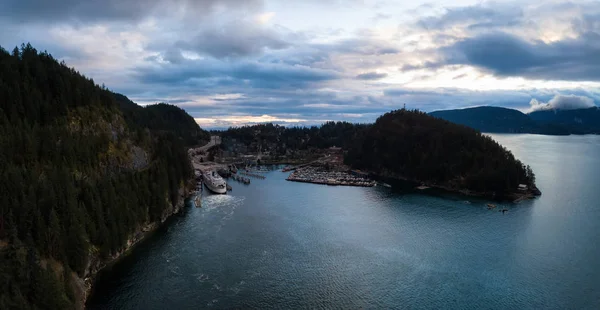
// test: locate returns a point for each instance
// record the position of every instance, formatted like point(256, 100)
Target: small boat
point(491, 206)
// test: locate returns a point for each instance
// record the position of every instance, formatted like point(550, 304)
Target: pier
point(254, 175)
point(240, 178)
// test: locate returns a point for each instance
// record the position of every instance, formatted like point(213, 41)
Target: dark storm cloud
point(507, 55)
point(110, 10)
point(371, 76)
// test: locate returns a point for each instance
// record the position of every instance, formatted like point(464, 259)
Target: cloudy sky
point(232, 62)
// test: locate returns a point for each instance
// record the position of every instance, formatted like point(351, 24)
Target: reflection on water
point(278, 244)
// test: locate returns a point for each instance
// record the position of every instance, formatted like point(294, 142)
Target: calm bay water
point(278, 244)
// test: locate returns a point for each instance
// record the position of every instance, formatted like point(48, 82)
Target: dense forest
point(410, 145)
point(81, 170)
point(578, 121)
point(279, 138)
point(415, 146)
point(164, 118)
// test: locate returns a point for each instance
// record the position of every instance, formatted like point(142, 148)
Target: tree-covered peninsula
point(414, 146)
point(402, 145)
point(83, 173)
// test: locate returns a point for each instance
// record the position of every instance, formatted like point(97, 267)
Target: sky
point(237, 62)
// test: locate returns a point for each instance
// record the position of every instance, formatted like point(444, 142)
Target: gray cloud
point(285, 73)
point(507, 55)
point(563, 102)
point(490, 42)
point(475, 17)
point(35, 11)
point(362, 45)
point(235, 39)
point(425, 65)
point(242, 74)
point(371, 76)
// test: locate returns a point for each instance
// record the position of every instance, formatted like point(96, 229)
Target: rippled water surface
point(278, 244)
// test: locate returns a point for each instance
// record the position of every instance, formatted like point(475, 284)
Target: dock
point(240, 178)
point(254, 175)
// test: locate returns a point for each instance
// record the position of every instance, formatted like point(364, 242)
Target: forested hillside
point(491, 119)
point(415, 146)
point(544, 122)
point(280, 138)
point(80, 175)
point(163, 117)
point(579, 121)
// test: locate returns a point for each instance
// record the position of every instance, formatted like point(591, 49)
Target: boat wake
point(221, 207)
point(212, 202)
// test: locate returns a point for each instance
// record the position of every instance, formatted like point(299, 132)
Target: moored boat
point(215, 183)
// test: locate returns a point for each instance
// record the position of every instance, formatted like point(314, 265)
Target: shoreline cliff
point(84, 286)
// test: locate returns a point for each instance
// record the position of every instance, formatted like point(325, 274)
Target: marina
point(318, 175)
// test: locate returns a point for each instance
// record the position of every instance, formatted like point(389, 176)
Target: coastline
point(84, 286)
point(514, 196)
point(407, 184)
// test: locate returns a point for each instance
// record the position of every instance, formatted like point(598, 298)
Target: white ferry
point(215, 182)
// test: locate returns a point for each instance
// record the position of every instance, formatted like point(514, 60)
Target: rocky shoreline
point(83, 287)
point(515, 196)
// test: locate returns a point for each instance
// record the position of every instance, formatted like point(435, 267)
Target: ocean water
point(279, 244)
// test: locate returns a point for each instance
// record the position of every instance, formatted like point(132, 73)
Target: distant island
point(545, 122)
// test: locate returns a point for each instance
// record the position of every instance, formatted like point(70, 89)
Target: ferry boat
point(215, 182)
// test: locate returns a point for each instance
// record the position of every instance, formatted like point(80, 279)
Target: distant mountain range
point(546, 122)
